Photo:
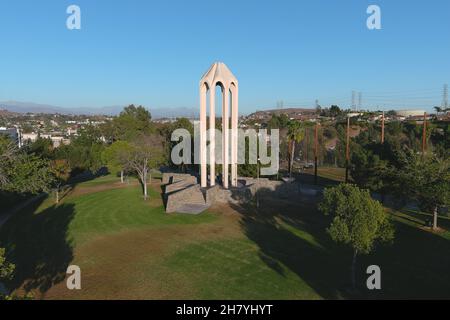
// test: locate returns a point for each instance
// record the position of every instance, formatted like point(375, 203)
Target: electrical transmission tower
point(280, 104)
point(445, 97)
point(359, 101)
point(353, 100)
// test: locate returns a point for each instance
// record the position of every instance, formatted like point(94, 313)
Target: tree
point(425, 180)
point(248, 169)
point(367, 168)
point(116, 156)
point(147, 153)
point(335, 111)
point(180, 123)
point(61, 171)
point(438, 110)
point(29, 174)
point(6, 271)
point(357, 220)
point(278, 121)
point(42, 147)
point(84, 152)
point(296, 133)
point(8, 153)
point(132, 122)
point(22, 172)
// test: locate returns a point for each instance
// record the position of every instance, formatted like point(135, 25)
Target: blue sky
point(154, 52)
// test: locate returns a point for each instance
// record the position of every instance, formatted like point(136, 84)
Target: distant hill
point(286, 111)
point(25, 107)
point(6, 113)
point(295, 113)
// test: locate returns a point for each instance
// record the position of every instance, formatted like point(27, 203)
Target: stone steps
point(177, 186)
point(184, 195)
point(192, 208)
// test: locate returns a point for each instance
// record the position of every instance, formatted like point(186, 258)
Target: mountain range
point(31, 107)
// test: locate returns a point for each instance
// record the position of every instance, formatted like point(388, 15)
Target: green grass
point(131, 248)
point(101, 213)
point(110, 178)
point(125, 210)
point(233, 269)
point(326, 176)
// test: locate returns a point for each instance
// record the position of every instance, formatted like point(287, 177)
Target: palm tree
point(438, 110)
point(296, 133)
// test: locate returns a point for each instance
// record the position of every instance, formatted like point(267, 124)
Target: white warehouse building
point(410, 113)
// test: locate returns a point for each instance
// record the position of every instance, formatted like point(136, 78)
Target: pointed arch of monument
point(219, 75)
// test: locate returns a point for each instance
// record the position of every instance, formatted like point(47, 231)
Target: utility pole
point(347, 150)
point(316, 129)
point(382, 128)
point(424, 134)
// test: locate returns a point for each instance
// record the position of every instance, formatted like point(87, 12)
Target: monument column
point(234, 134)
point(219, 74)
point(203, 173)
point(225, 135)
point(212, 136)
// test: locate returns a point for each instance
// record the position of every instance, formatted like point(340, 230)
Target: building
point(58, 141)
point(31, 137)
point(410, 113)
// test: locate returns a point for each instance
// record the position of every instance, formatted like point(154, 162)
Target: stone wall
point(183, 191)
point(175, 177)
point(179, 185)
point(249, 188)
point(191, 195)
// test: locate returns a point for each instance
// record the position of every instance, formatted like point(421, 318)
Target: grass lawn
point(326, 176)
point(131, 249)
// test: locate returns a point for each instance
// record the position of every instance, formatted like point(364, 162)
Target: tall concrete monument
point(219, 75)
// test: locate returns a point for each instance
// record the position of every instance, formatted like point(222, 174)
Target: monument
point(219, 75)
point(183, 193)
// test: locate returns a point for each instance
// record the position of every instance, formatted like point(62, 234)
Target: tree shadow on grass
point(275, 226)
point(415, 266)
point(38, 244)
point(11, 199)
point(308, 178)
point(293, 235)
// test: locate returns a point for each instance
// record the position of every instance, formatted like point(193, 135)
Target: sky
point(154, 52)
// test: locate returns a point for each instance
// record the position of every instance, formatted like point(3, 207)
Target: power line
point(414, 98)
